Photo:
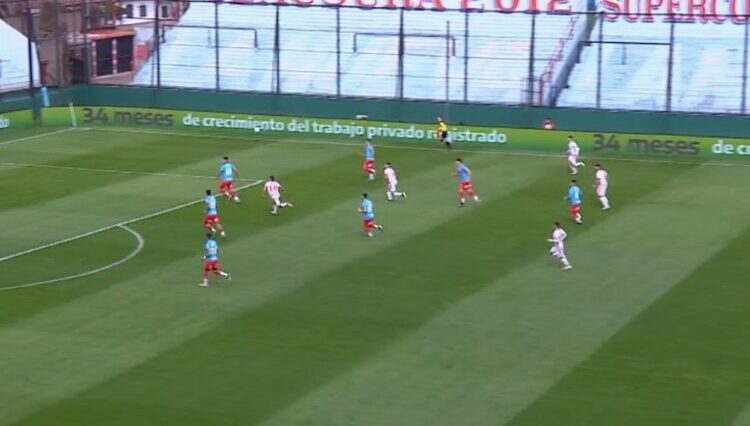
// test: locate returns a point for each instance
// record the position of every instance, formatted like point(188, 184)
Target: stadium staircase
point(707, 68)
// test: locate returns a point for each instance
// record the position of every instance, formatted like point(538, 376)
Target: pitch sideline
point(37, 136)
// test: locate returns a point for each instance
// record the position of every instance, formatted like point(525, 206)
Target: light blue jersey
point(210, 201)
point(368, 212)
point(369, 152)
point(463, 173)
point(226, 171)
point(211, 250)
point(574, 195)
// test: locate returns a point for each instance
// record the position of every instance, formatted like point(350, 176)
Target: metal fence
point(592, 58)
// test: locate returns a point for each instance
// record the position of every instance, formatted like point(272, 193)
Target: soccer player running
point(558, 246)
point(442, 132)
point(369, 163)
point(573, 152)
point(273, 190)
point(211, 218)
point(464, 183)
point(602, 181)
point(211, 260)
point(227, 173)
point(391, 183)
point(574, 198)
point(368, 216)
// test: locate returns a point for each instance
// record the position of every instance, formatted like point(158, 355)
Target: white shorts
point(573, 160)
point(392, 186)
point(601, 190)
point(276, 199)
point(557, 251)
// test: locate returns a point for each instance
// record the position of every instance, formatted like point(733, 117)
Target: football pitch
point(452, 316)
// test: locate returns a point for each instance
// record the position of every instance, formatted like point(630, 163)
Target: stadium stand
point(498, 52)
point(707, 68)
point(14, 64)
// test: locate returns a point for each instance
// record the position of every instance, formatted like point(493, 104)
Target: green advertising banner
point(393, 132)
point(16, 120)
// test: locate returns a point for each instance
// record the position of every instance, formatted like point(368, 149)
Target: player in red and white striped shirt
point(273, 190)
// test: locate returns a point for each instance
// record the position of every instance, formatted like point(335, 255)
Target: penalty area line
point(140, 242)
point(116, 225)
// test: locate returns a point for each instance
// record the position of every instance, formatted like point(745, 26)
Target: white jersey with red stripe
point(272, 188)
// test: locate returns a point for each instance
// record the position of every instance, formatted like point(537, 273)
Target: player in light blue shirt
point(227, 174)
point(464, 183)
point(211, 217)
point(368, 216)
point(211, 260)
point(369, 163)
point(574, 197)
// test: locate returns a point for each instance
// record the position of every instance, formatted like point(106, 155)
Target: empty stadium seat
point(497, 64)
point(707, 68)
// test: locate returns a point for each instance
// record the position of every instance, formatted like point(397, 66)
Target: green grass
point(451, 317)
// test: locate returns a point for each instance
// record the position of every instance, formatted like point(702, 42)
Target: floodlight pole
point(216, 47)
point(532, 43)
point(466, 56)
point(29, 47)
point(400, 65)
point(338, 50)
point(599, 62)
point(670, 66)
point(30, 38)
point(157, 34)
point(447, 68)
point(743, 107)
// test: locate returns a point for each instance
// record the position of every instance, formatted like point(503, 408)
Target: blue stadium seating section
point(498, 52)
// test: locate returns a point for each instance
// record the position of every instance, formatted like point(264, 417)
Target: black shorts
point(442, 135)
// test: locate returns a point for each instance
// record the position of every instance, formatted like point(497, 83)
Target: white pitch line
point(113, 171)
point(140, 242)
point(40, 135)
point(424, 148)
point(119, 224)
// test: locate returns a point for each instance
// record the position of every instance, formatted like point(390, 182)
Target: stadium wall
point(416, 111)
point(603, 132)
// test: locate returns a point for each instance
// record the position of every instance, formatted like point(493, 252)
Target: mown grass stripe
point(168, 295)
point(416, 146)
point(489, 356)
point(683, 361)
point(165, 249)
point(335, 326)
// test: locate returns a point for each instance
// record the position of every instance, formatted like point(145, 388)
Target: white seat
point(497, 65)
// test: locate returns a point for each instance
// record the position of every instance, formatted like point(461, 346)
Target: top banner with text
point(682, 11)
point(278, 127)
